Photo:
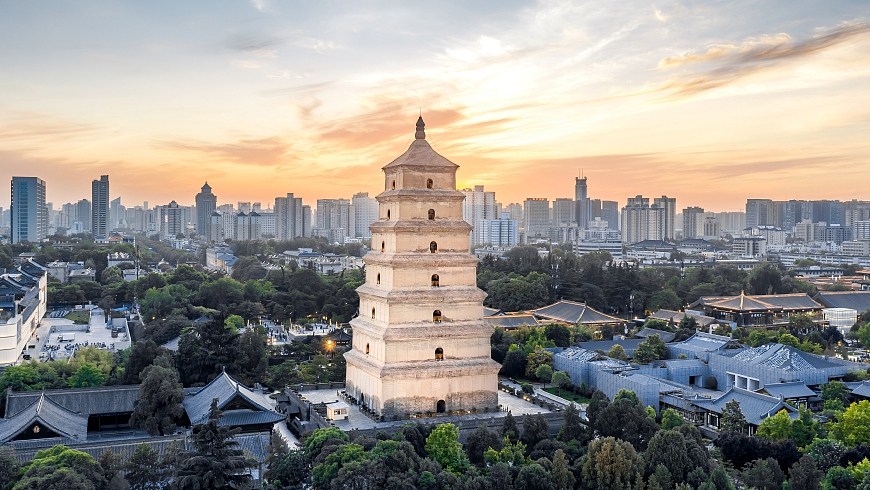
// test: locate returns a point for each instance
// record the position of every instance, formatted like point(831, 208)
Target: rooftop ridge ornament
point(421, 127)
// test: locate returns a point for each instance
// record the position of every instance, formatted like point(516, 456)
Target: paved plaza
point(358, 420)
point(45, 343)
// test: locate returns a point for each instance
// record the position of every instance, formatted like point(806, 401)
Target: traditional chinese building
point(420, 344)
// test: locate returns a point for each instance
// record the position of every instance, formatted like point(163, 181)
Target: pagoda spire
point(421, 129)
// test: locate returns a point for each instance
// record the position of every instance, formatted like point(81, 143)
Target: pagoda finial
point(421, 127)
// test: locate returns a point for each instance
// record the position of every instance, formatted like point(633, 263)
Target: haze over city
point(712, 104)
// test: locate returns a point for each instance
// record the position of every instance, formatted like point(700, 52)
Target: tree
point(160, 396)
point(544, 373)
point(514, 364)
point(805, 474)
point(826, 453)
point(854, 425)
point(216, 462)
point(479, 441)
point(535, 429)
point(719, 479)
point(141, 355)
point(538, 357)
point(534, 477)
point(764, 474)
point(234, 323)
point(612, 464)
point(443, 446)
point(625, 419)
point(651, 349)
point(838, 478)
point(667, 448)
point(789, 339)
point(112, 464)
point(733, 421)
point(671, 419)
point(143, 471)
point(8, 465)
point(61, 468)
point(776, 428)
point(617, 352)
point(276, 451)
point(561, 380)
point(559, 334)
point(292, 471)
point(563, 478)
point(86, 376)
point(321, 437)
point(509, 428)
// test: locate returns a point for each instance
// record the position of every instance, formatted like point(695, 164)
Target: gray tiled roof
point(664, 336)
point(628, 344)
point(794, 389)
point(862, 390)
point(510, 321)
point(578, 354)
point(254, 444)
point(704, 342)
point(755, 406)
point(782, 357)
point(49, 414)
point(490, 311)
point(225, 389)
point(87, 401)
point(571, 312)
point(854, 300)
point(236, 418)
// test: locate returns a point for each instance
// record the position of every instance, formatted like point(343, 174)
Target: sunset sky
point(708, 102)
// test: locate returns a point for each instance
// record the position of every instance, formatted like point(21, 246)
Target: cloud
point(734, 62)
point(245, 64)
point(271, 152)
point(318, 45)
point(259, 5)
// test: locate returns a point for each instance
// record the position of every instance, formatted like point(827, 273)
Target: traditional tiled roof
point(103, 400)
point(755, 406)
point(768, 302)
point(420, 153)
point(47, 413)
point(510, 321)
point(664, 336)
point(235, 418)
point(605, 345)
point(794, 389)
point(854, 300)
point(677, 316)
point(862, 389)
point(490, 311)
point(571, 312)
point(225, 389)
point(783, 357)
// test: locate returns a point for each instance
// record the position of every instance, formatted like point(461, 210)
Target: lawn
point(79, 317)
point(568, 395)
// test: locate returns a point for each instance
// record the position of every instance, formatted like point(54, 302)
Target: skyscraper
point(365, 211)
point(288, 217)
point(640, 221)
point(29, 213)
point(478, 205)
point(335, 220)
point(693, 225)
point(669, 205)
point(536, 216)
point(581, 201)
point(100, 206)
point(206, 204)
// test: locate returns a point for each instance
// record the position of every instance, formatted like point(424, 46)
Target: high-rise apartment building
point(759, 212)
point(581, 202)
point(29, 212)
point(171, 220)
point(100, 206)
point(640, 221)
point(335, 220)
point(536, 216)
point(503, 232)
point(610, 214)
point(365, 212)
point(564, 212)
point(478, 205)
point(206, 204)
point(288, 217)
point(669, 207)
point(692, 222)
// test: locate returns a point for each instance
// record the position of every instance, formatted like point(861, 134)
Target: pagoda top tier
point(420, 154)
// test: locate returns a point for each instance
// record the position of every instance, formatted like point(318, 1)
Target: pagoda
point(419, 343)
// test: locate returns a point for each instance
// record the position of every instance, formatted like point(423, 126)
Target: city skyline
point(712, 105)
